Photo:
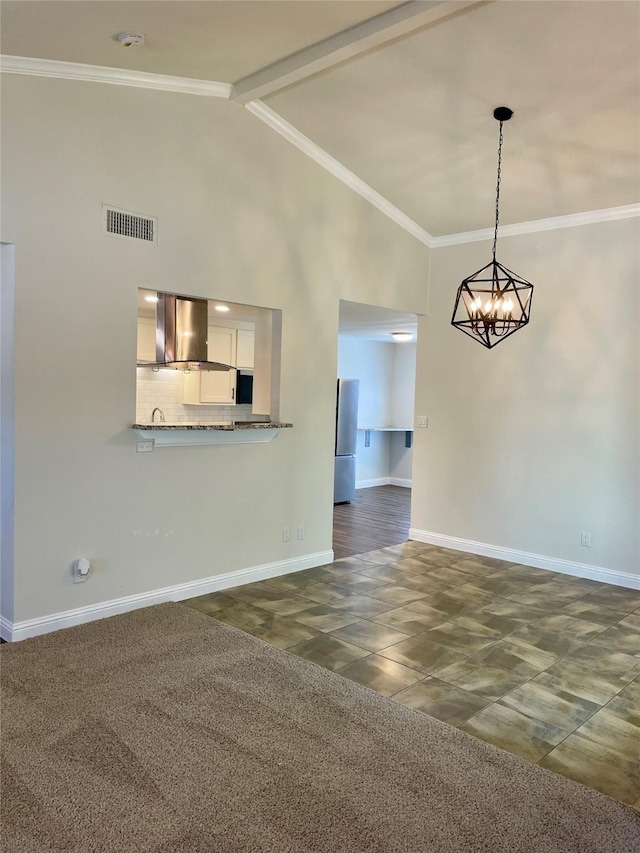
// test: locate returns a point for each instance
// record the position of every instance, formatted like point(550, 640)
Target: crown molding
point(553, 223)
point(208, 88)
point(144, 80)
point(115, 76)
point(320, 156)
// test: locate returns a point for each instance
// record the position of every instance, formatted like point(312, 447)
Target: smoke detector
point(131, 39)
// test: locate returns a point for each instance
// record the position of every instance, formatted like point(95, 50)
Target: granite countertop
point(215, 425)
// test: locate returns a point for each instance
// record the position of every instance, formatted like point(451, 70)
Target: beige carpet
point(163, 730)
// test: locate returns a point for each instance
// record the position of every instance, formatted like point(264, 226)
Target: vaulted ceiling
point(404, 98)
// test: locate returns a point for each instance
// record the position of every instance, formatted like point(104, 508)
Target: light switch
point(422, 421)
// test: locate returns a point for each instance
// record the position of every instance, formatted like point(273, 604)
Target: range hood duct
point(181, 335)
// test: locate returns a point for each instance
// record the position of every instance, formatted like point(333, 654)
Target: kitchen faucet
point(153, 415)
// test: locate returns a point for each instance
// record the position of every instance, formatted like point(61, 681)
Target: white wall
point(527, 445)
point(387, 387)
point(403, 384)
point(372, 363)
point(242, 216)
point(400, 460)
point(537, 440)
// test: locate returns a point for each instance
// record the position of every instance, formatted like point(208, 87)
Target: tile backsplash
point(164, 390)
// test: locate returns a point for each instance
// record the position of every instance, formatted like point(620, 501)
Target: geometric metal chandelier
point(494, 302)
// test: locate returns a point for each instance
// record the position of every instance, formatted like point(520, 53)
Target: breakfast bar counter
point(207, 432)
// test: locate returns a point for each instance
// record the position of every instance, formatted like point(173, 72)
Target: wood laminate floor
point(377, 518)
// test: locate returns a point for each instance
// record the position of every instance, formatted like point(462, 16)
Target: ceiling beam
point(325, 54)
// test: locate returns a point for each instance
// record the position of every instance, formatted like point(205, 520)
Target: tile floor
point(544, 665)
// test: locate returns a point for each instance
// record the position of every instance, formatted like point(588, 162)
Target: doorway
point(385, 367)
point(378, 517)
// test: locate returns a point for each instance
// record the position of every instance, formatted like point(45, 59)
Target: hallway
point(379, 517)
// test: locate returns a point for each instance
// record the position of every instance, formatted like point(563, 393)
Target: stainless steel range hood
point(181, 335)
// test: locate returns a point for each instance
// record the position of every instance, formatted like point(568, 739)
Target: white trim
point(399, 481)
point(538, 561)
point(7, 428)
point(6, 628)
point(116, 76)
point(553, 223)
point(79, 615)
point(376, 481)
point(383, 481)
point(373, 33)
point(320, 156)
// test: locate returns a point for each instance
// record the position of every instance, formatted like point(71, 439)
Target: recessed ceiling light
point(151, 299)
point(402, 336)
point(222, 308)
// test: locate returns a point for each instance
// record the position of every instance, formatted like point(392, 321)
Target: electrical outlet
point(585, 540)
point(300, 532)
point(422, 421)
point(286, 534)
point(145, 446)
point(80, 570)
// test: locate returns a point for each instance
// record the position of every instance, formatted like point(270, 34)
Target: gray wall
point(537, 440)
point(527, 445)
point(243, 216)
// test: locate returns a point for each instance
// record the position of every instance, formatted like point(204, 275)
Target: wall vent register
point(123, 223)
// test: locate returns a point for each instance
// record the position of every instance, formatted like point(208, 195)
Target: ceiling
point(415, 119)
point(400, 94)
point(368, 322)
point(236, 312)
point(373, 323)
point(218, 40)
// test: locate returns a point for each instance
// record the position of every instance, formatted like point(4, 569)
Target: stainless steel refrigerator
point(344, 481)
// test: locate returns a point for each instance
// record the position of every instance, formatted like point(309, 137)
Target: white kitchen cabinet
point(146, 339)
point(214, 387)
point(221, 344)
point(244, 348)
point(219, 386)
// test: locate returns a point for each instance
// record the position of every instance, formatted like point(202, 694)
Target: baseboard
point(5, 628)
point(376, 481)
point(12, 631)
point(538, 561)
point(383, 481)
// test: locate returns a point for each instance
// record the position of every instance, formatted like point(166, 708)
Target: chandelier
point(494, 302)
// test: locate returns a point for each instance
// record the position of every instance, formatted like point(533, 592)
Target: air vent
point(123, 223)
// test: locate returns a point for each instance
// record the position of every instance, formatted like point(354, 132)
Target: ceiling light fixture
point(222, 308)
point(400, 337)
point(494, 302)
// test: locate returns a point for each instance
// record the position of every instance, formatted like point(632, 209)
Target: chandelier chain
point(494, 302)
point(495, 233)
